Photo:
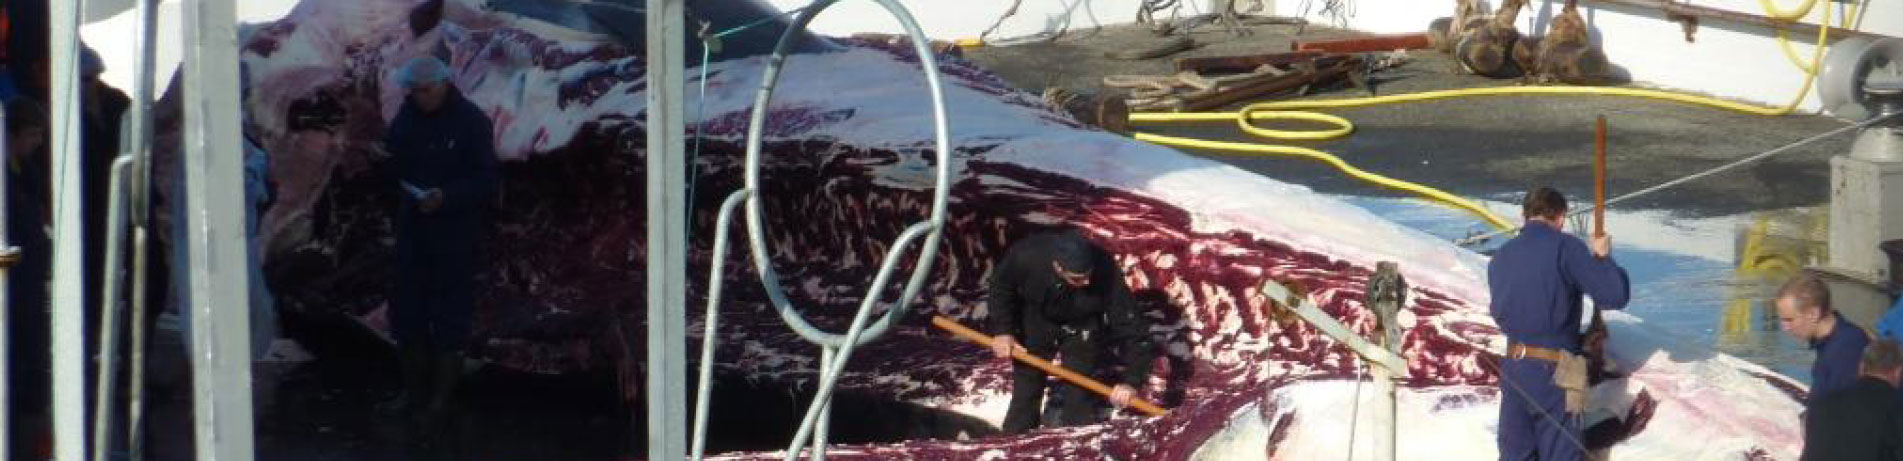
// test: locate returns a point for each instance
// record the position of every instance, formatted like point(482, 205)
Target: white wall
point(1728, 60)
point(111, 35)
point(956, 19)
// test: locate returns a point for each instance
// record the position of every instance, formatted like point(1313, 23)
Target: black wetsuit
point(1045, 314)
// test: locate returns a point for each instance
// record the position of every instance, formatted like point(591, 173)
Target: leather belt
point(1522, 351)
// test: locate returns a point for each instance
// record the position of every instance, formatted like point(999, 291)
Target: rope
point(708, 43)
point(1698, 175)
point(1570, 437)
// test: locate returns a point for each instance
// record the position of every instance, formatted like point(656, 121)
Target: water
point(1684, 276)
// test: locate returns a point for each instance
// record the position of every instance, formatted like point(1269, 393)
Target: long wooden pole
point(1599, 179)
point(982, 339)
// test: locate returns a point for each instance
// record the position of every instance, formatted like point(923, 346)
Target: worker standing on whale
point(1536, 281)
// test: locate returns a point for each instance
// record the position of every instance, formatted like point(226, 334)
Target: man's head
point(1803, 307)
point(1545, 205)
point(1071, 258)
point(427, 81)
point(26, 127)
point(1883, 360)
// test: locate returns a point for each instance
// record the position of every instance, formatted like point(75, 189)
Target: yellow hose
point(1771, 10)
point(1429, 192)
point(1296, 110)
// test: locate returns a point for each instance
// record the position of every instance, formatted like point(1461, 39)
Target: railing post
point(1386, 294)
point(667, 232)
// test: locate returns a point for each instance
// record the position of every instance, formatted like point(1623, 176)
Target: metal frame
point(667, 230)
point(835, 350)
point(221, 353)
point(140, 127)
point(7, 250)
point(68, 314)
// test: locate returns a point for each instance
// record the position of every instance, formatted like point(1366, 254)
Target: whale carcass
point(848, 165)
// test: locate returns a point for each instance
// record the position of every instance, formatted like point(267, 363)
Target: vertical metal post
point(827, 354)
point(667, 231)
point(220, 316)
point(69, 361)
point(1386, 294)
point(141, 141)
point(6, 292)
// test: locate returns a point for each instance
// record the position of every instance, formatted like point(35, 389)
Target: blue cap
point(422, 70)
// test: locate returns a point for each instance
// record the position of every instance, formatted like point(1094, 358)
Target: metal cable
point(1698, 175)
point(1500, 370)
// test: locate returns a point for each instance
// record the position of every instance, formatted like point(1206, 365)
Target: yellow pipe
point(1771, 10)
point(1429, 192)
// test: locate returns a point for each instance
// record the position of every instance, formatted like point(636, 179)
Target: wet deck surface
point(1491, 147)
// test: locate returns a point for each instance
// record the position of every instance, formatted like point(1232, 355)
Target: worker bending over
point(1058, 292)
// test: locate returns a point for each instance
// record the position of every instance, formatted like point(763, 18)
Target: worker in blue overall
point(1804, 312)
point(1536, 280)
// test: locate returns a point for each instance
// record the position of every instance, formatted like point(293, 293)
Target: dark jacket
point(1536, 280)
point(1027, 299)
point(1838, 356)
point(1853, 424)
point(452, 149)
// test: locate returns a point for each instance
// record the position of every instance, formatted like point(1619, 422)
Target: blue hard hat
point(422, 70)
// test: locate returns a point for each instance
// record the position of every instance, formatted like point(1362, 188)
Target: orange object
point(1062, 373)
point(1415, 41)
point(1599, 179)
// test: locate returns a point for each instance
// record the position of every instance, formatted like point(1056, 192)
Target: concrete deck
point(1489, 147)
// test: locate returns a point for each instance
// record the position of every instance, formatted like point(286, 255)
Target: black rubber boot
point(413, 362)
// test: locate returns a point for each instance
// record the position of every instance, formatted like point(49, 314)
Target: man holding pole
point(1536, 281)
point(1061, 293)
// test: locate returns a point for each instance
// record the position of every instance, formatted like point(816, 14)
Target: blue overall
point(452, 149)
point(1838, 357)
point(1536, 281)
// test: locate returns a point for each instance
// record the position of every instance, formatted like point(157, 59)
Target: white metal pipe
point(6, 293)
point(829, 372)
point(68, 325)
point(220, 285)
point(143, 94)
point(105, 386)
point(135, 399)
point(826, 357)
point(667, 231)
point(710, 339)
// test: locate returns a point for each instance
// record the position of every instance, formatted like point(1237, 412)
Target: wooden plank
point(1414, 41)
point(1242, 63)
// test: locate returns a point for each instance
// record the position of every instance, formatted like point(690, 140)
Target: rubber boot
point(413, 362)
point(446, 369)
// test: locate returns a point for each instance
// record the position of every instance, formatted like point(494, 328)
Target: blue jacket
point(1536, 280)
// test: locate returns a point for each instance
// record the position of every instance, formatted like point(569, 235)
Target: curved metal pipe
point(712, 319)
point(755, 128)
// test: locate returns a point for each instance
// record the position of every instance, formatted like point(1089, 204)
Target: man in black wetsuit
point(1061, 293)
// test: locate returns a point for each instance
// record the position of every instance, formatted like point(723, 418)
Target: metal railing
point(835, 349)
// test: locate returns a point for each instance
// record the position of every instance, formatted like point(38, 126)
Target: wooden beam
point(1413, 41)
